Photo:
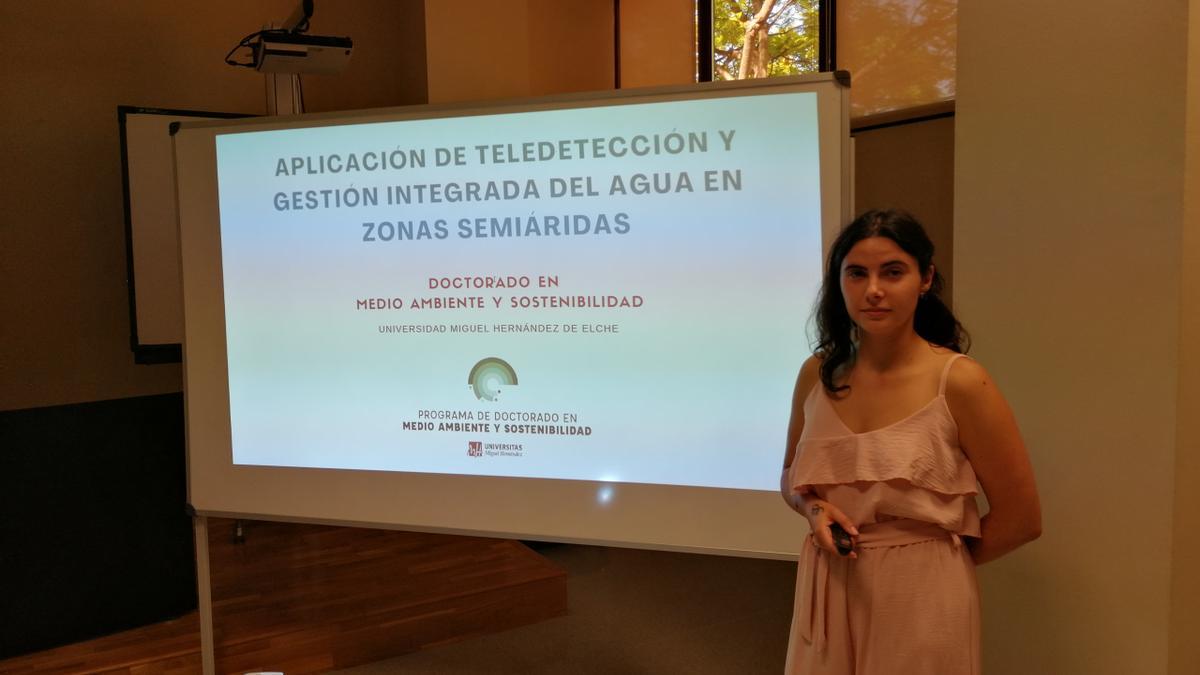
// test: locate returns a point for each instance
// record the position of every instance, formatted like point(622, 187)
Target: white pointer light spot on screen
point(604, 495)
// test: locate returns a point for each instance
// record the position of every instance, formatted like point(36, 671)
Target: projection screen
point(572, 319)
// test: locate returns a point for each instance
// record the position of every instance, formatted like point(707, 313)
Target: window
point(900, 53)
point(762, 38)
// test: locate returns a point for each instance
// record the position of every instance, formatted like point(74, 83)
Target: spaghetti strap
point(946, 373)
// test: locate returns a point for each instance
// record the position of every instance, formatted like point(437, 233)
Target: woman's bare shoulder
point(811, 370)
point(969, 386)
point(809, 376)
point(965, 372)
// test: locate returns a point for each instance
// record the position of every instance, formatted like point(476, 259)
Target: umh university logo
point(475, 448)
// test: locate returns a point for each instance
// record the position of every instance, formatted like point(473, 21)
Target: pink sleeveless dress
point(909, 605)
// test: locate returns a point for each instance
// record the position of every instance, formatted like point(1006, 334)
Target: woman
point(892, 429)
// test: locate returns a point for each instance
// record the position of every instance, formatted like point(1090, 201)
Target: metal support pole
point(208, 658)
point(283, 94)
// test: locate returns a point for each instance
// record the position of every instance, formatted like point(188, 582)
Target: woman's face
point(881, 284)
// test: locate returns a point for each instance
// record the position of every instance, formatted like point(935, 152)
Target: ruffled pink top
point(913, 468)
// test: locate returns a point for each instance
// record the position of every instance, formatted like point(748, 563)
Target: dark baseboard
point(94, 538)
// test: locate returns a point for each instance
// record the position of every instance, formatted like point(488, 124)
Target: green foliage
point(791, 42)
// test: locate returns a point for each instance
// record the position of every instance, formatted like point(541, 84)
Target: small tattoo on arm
point(816, 509)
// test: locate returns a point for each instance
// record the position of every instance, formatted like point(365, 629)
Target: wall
point(67, 66)
point(93, 533)
point(542, 47)
point(479, 50)
point(1068, 214)
point(94, 537)
point(911, 166)
point(658, 42)
point(1184, 655)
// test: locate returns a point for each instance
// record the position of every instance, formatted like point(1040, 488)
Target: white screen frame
point(729, 522)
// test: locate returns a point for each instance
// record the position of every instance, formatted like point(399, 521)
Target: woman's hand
point(820, 515)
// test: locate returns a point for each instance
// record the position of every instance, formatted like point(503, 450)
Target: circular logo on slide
point(489, 375)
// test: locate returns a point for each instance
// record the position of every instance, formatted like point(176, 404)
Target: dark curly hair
point(835, 329)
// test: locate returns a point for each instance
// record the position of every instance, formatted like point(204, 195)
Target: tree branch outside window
point(762, 38)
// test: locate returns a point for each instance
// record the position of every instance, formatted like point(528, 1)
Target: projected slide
point(615, 293)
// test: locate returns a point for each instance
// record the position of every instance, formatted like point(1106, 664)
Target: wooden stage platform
point(310, 598)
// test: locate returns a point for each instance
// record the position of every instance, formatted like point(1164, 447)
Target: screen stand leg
point(204, 588)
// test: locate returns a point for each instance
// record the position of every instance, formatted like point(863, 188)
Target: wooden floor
point(309, 598)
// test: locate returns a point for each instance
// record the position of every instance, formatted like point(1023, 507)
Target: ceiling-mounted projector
point(284, 52)
point(289, 48)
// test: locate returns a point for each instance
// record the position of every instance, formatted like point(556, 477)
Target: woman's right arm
point(818, 512)
point(805, 381)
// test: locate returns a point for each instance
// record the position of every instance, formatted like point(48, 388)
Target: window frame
point(826, 38)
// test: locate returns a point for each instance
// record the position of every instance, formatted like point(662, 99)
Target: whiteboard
point(285, 445)
point(151, 231)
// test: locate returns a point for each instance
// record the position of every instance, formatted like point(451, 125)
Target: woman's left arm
point(988, 433)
